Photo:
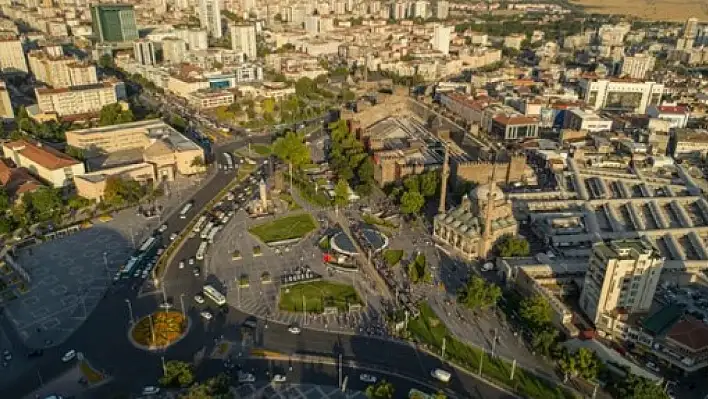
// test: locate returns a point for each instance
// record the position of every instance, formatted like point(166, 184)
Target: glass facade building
point(114, 23)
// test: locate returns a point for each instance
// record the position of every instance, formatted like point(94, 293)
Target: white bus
point(200, 223)
point(202, 250)
point(229, 161)
point(185, 209)
point(130, 265)
point(147, 244)
point(206, 230)
point(216, 296)
point(212, 234)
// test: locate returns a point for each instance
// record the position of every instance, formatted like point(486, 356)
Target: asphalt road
point(103, 338)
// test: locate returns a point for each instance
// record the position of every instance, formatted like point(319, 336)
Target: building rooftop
point(515, 120)
point(42, 155)
point(691, 333)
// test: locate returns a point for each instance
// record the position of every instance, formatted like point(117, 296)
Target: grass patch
point(224, 348)
point(309, 193)
point(373, 220)
point(285, 228)
point(168, 327)
point(292, 205)
point(261, 149)
point(92, 376)
point(245, 170)
point(244, 281)
point(324, 243)
point(236, 255)
point(428, 329)
point(266, 278)
point(318, 295)
point(257, 251)
point(393, 256)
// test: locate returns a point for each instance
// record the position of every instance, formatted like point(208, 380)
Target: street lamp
point(181, 300)
point(105, 265)
point(130, 311)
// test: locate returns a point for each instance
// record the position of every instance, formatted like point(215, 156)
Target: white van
point(441, 375)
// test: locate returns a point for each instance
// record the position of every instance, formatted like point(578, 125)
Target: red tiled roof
point(17, 181)
point(691, 333)
point(672, 109)
point(515, 120)
point(42, 155)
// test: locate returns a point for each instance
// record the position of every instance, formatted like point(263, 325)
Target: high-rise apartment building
point(243, 39)
point(210, 16)
point(637, 66)
point(420, 9)
point(12, 56)
point(399, 10)
point(6, 111)
point(441, 39)
point(688, 35)
point(114, 23)
point(195, 38)
point(174, 50)
point(441, 9)
point(622, 277)
point(61, 71)
point(144, 52)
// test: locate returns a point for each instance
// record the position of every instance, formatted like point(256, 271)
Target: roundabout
point(159, 330)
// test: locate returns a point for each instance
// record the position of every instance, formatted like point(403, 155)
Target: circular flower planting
point(165, 329)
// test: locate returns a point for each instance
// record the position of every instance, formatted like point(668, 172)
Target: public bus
point(200, 223)
point(216, 296)
point(212, 234)
point(185, 209)
point(147, 244)
point(206, 230)
point(201, 251)
point(229, 161)
point(130, 265)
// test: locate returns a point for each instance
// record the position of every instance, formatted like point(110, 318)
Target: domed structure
point(482, 192)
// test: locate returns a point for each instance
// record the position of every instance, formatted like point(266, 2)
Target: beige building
point(174, 50)
point(621, 280)
point(472, 228)
point(204, 99)
point(62, 71)
point(6, 111)
point(637, 66)
point(92, 185)
point(56, 168)
point(12, 56)
point(79, 100)
point(150, 142)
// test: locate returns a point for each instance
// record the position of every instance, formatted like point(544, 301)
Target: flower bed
point(168, 328)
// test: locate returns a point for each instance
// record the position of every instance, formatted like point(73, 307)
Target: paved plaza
point(291, 391)
point(261, 297)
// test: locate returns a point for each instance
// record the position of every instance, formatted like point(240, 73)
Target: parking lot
point(70, 275)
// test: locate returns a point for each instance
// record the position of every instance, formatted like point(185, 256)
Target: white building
point(195, 38)
point(441, 39)
point(210, 16)
point(622, 277)
point(441, 9)
point(54, 167)
point(79, 100)
point(243, 39)
point(620, 94)
point(144, 52)
point(578, 119)
point(677, 116)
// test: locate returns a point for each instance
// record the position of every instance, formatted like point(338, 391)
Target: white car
point(181, 264)
point(162, 228)
point(190, 261)
point(151, 390)
point(651, 366)
point(68, 356)
point(246, 377)
point(441, 375)
point(206, 315)
point(294, 330)
point(368, 378)
point(279, 378)
point(489, 266)
point(199, 299)
point(173, 236)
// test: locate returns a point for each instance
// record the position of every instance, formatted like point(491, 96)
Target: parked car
point(294, 330)
point(199, 299)
point(368, 378)
point(246, 378)
point(163, 228)
point(151, 390)
point(206, 315)
point(68, 356)
point(279, 378)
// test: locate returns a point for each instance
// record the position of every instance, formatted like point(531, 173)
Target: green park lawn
point(429, 329)
point(393, 256)
point(285, 228)
point(318, 295)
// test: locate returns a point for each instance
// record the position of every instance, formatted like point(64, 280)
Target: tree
point(268, 105)
point(292, 149)
point(348, 95)
point(411, 202)
point(536, 312)
point(587, 363)
point(113, 114)
point(380, 390)
point(478, 293)
point(43, 204)
point(4, 201)
point(635, 387)
point(74, 152)
point(544, 340)
point(429, 182)
point(178, 123)
point(365, 171)
point(341, 193)
point(106, 61)
point(304, 87)
point(413, 274)
point(177, 374)
point(198, 162)
point(119, 192)
point(509, 246)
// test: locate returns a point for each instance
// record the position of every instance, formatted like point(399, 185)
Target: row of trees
point(416, 189)
point(178, 374)
point(45, 204)
point(349, 159)
point(113, 114)
point(385, 390)
point(479, 294)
